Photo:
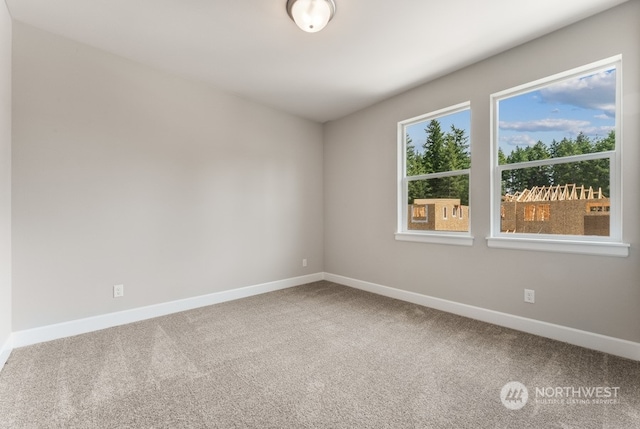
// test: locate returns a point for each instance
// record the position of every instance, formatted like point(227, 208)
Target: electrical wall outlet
point(304, 262)
point(530, 296)
point(118, 291)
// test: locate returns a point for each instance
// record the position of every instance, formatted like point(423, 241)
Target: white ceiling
point(371, 50)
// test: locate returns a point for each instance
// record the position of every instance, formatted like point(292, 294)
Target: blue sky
point(564, 109)
point(419, 136)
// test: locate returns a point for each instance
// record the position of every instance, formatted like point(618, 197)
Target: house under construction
point(438, 214)
point(560, 209)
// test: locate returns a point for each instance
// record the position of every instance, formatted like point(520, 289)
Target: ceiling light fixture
point(311, 15)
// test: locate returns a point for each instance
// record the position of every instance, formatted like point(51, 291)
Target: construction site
point(559, 210)
point(438, 214)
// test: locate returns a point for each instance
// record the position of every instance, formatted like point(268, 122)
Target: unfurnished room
point(319, 214)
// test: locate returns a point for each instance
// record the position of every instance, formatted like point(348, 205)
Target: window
point(529, 212)
point(419, 213)
point(434, 162)
point(543, 212)
point(598, 207)
point(556, 155)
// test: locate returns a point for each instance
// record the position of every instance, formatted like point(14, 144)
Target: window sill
point(600, 248)
point(445, 238)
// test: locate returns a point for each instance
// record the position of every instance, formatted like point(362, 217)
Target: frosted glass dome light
point(311, 15)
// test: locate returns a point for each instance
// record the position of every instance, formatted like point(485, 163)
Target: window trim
point(437, 237)
point(591, 245)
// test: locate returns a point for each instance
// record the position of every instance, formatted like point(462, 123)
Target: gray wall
point(123, 174)
point(596, 294)
point(5, 174)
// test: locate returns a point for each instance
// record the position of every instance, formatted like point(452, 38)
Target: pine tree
point(504, 180)
point(595, 173)
point(415, 167)
point(434, 158)
point(457, 157)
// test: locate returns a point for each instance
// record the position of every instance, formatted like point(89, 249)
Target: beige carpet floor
point(316, 356)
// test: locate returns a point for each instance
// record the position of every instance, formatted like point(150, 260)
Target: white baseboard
point(5, 350)
point(603, 343)
point(96, 323)
point(590, 340)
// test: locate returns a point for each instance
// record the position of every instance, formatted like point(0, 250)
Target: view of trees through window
point(593, 173)
point(555, 164)
point(437, 165)
point(556, 147)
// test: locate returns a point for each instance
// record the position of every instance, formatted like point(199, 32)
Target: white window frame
point(438, 237)
point(591, 245)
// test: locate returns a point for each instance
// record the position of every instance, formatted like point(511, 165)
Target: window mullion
point(439, 175)
point(553, 161)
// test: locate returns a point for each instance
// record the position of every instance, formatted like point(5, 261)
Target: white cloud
point(519, 140)
point(597, 91)
point(598, 131)
point(567, 125)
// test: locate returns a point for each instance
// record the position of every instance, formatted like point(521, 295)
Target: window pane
point(571, 117)
point(438, 145)
point(440, 204)
point(565, 199)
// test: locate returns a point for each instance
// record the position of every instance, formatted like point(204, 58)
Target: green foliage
point(415, 167)
point(441, 152)
point(588, 173)
point(527, 178)
point(449, 151)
